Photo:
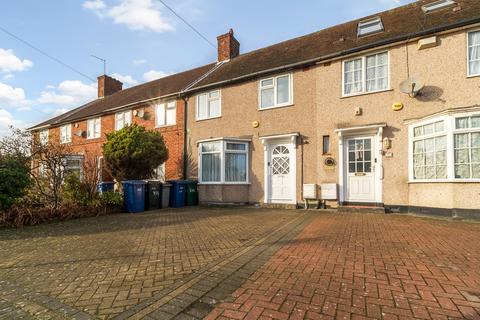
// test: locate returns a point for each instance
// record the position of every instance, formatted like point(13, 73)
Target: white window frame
point(197, 105)
point(74, 157)
point(373, 21)
point(364, 75)
point(275, 94)
point(437, 5)
point(66, 133)
point(223, 151)
point(450, 132)
point(96, 123)
point(123, 113)
point(162, 109)
point(469, 72)
point(43, 137)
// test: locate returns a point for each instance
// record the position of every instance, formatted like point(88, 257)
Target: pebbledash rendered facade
point(327, 108)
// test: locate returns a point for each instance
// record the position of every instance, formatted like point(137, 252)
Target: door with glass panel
point(280, 173)
point(360, 177)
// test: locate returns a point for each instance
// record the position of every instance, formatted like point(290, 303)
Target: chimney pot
point(108, 85)
point(228, 46)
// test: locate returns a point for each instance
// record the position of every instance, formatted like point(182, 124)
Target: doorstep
point(361, 209)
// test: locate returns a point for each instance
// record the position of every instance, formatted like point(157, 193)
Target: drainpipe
point(185, 138)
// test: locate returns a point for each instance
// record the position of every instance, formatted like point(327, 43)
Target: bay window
point(474, 53)
point(208, 105)
point(223, 161)
point(123, 119)
point(66, 133)
point(94, 128)
point(166, 114)
point(467, 147)
point(366, 74)
point(446, 149)
point(276, 92)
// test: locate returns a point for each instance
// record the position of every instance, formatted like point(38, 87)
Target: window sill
point(165, 126)
point(205, 119)
point(94, 138)
point(344, 96)
point(473, 76)
point(224, 183)
point(286, 105)
point(445, 181)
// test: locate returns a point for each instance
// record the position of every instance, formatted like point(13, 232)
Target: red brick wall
point(173, 136)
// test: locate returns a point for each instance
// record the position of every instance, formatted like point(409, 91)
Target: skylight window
point(437, 5)
point(370, 26)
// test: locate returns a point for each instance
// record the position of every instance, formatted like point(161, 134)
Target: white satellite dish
point(141, 113)
point(79, 133)
point(412, 86)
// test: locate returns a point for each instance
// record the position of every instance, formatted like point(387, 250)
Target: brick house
point(386, 108)
point(337, 106)
point(155, 105)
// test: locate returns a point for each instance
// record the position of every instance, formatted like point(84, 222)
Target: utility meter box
point(310, 191)
point(328, 191)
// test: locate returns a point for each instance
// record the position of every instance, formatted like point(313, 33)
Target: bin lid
point(134, 182)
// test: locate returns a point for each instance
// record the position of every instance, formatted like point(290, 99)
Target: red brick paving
point(357, 266)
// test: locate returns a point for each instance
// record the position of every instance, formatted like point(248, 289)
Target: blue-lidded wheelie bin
point(134, 195)
point(105, 186)
point(177, 193)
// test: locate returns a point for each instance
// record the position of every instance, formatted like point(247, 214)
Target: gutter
point(338, 54)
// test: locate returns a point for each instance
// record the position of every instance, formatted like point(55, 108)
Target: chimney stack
point(108, 85)
point(228, 46)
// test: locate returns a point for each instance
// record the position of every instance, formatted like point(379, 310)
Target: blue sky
point(141, 41)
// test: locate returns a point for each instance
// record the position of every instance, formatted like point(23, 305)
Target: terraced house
point(385, 109)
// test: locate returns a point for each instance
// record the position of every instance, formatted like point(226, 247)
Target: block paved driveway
point(242, 264)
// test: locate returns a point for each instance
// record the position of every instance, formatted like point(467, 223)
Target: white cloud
point(60, 111)
point(69, 93)
point(139, 61)
point(126, 80)
point(94, 5)
point(154, 74)
point(135, 14)
point(10, 62)
point(6, 121)
point(13, 97)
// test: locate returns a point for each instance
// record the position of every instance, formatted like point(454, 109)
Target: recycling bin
point(165, 195)
point(192, 193)
point(177, 193)
point(152, 195)
point(134, 195)
point(105, 187)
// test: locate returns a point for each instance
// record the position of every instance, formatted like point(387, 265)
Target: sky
point(141, 41)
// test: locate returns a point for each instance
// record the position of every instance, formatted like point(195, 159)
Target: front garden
point(38, 183)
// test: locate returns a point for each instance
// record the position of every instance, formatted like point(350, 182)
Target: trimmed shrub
point(14, 180)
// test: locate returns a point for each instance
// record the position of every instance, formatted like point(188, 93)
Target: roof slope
point(399, 22)
point(161, 87)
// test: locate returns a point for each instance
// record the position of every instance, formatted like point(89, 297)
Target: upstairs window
point(94, 128)
point(166, 114)
point(208, 105)
point(437, 5)
point(123, 119)
point(371, 26)
point(43, 137)
point(66, 134)
point(474, 53)
point(366, 74)
point(276, 92)
point(223, 161)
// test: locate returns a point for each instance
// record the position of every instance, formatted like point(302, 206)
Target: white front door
point(280, 173)
point(360, 172)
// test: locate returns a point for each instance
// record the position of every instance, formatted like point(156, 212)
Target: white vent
point(437, 5)
point(371, 26)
